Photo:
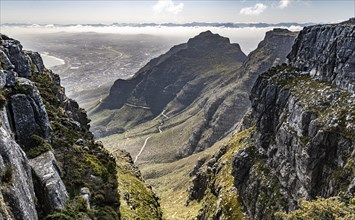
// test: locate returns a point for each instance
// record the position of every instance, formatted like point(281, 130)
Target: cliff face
point(303, 145)
point(50, 164)
point(326, 52)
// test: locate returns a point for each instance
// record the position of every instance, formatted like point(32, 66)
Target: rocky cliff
point(301, 144)
point(50, 165)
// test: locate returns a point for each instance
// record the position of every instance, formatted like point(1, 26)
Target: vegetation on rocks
point(322, 208)
point(213, 184)
point(84, 162)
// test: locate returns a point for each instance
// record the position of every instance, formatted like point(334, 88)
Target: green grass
point(137, 200)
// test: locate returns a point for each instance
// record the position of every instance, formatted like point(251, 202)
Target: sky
point(176, 11)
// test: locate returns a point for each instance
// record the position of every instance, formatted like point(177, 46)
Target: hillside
point(175, 78)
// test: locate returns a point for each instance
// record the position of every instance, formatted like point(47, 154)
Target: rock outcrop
point(29, 113)
point(16, 58)
point(303, 146)
point(50, 189)
point(330, 57)
point(138, 200)
point(42, 162)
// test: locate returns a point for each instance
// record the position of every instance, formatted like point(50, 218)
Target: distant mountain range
point(192, 24)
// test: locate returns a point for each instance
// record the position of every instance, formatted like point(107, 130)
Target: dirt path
point(140, 152)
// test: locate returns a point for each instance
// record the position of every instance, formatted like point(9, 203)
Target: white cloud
point(255, 10)
point(284, 3)
point(167, 6)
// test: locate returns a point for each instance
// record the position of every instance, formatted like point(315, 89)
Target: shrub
point(6, 174)
point(37, 146)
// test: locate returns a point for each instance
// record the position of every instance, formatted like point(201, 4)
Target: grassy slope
point(225, 203)
point(171, 181)
point(137, 200)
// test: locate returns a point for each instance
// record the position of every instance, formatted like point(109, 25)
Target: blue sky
point(160, 11)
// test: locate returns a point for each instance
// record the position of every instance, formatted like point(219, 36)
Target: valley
point(177, 110)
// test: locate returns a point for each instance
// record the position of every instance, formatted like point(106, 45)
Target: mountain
point(196, 121)
point(296, 142)
point(198, 91)
point(176, 77)
point(50, 165)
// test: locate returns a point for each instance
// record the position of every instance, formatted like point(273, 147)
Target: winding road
point(146, 140)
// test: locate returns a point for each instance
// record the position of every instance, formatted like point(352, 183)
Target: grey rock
point(86, 194)
point(79, 141)
point(197, 166)
point(7, 78)
point(330, 57)
point(293, 155)
point(36, 59)
point(6, 62)
point(10, 78)
point(13, 50)
point(50, 189)
point(17, 189)
point(351, 188)
point(29, 113)
point(2, 79)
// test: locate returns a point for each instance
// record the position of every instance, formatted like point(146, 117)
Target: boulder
point(7, 78)
point(86, 195)
point(50, 189)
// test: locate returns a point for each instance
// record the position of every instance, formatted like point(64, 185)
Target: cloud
point(284, 3)
point(255, 10)
point(167, 6)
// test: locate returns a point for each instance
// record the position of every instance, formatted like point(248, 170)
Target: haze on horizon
point(175, 11)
